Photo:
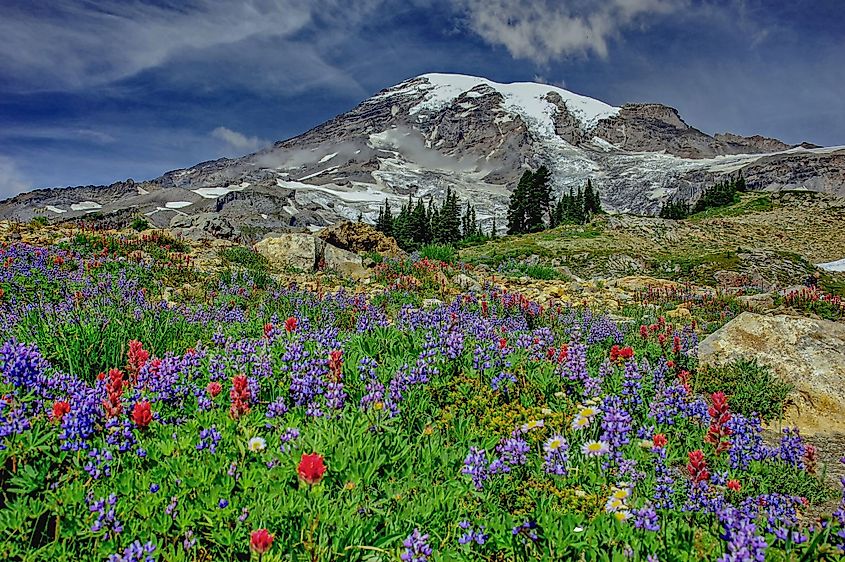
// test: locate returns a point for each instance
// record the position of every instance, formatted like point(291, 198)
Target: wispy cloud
point(73, 44)
point(238, 141)
point(543, 30)
point(11, 179)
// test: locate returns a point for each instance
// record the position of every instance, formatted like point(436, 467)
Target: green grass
point(744, 205)
point(439, 252)
point(243, 256)
point(751, 388)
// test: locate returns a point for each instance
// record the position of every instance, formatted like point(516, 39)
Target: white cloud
point(238, 141)
point(541, 30)
point(72, 44)
point(11, 180)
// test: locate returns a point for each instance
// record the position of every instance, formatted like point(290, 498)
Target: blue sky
point(94, 92)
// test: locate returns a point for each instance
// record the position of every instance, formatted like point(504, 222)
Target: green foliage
point(243, 256)
point(751, 388)
point(513, 268)
point(675, 210)
point(720, 195)
point(440, 252)
point(39, 220)
point(139, 224)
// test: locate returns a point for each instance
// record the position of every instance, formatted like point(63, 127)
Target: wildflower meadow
point(253, 420)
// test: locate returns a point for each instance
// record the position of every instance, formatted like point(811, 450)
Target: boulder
point(205, 226)
point(807, 353)
point(758, 302)
point(360, 237)
point(298, 250)
point(466, 283)
point(344, 262)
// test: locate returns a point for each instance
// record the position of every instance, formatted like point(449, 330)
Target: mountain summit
point(448, 130)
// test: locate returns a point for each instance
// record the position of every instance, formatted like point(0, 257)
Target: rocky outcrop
point(308, 253)
point(359, 238)
point(206, 226)
point(295, 250)
point(807, 353)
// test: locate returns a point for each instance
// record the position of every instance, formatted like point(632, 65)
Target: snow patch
point(215, 192)
point(838, 265)
point(526, 99)
point(53, 209)
point(177, 204)
point(86, 206)
point(327, 157)
point(370, 194)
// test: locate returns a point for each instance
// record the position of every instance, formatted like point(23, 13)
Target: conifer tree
point(517, 203)
point(592, 203)
point(493, 229)
point(538, 200)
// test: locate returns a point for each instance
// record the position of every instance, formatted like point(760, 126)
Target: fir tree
point(538, 200)
point(384, 223)
point(516, 205)
point(592, 202)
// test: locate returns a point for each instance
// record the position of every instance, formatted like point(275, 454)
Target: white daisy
point(256, 444)
point(595, 448)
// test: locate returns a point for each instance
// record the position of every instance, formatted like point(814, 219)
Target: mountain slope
point(443, 130)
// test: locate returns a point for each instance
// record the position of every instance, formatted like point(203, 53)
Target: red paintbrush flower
point(659, 440)
point(214, 388)
point(268, 329)
point(239, 396)
point(311, 468)
point(260, 541)
point(60, 408)
point(697, 467)
point(290, 324)
point(141, 414)
point(734, 485)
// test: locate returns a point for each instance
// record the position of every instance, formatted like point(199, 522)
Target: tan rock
point(359, 237)
point(807, 353)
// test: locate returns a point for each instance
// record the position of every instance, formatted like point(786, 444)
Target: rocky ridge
point(440, 131)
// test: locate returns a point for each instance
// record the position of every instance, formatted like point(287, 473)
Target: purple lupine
point(471, 535)
point(416, 548)
point(209, 438)
point(135, 552)
point(106, 516)
point(475, 465)
point(744, 544)
point(526, 531)
point(290, 434)
point(646, 518)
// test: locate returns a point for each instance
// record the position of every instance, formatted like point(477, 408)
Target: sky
point(93, 92)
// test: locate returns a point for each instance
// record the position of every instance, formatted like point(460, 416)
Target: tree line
point(418, 224)
point(721, 194)
point(532, 209)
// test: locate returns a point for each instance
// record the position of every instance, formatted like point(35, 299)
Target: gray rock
point(466, 283)
point(205, 226)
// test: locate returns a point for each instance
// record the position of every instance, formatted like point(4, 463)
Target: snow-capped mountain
point(445, 130)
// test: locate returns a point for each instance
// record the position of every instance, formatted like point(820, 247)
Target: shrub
point(751, 388)
point(39, 220)
point(246, 257)
point(139, 224)
point(439, 252)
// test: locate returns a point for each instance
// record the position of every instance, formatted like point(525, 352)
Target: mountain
point(446, 130)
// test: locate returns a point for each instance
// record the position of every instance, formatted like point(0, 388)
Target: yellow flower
point(428, 430)
point(349, 485)
point(378, 406)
